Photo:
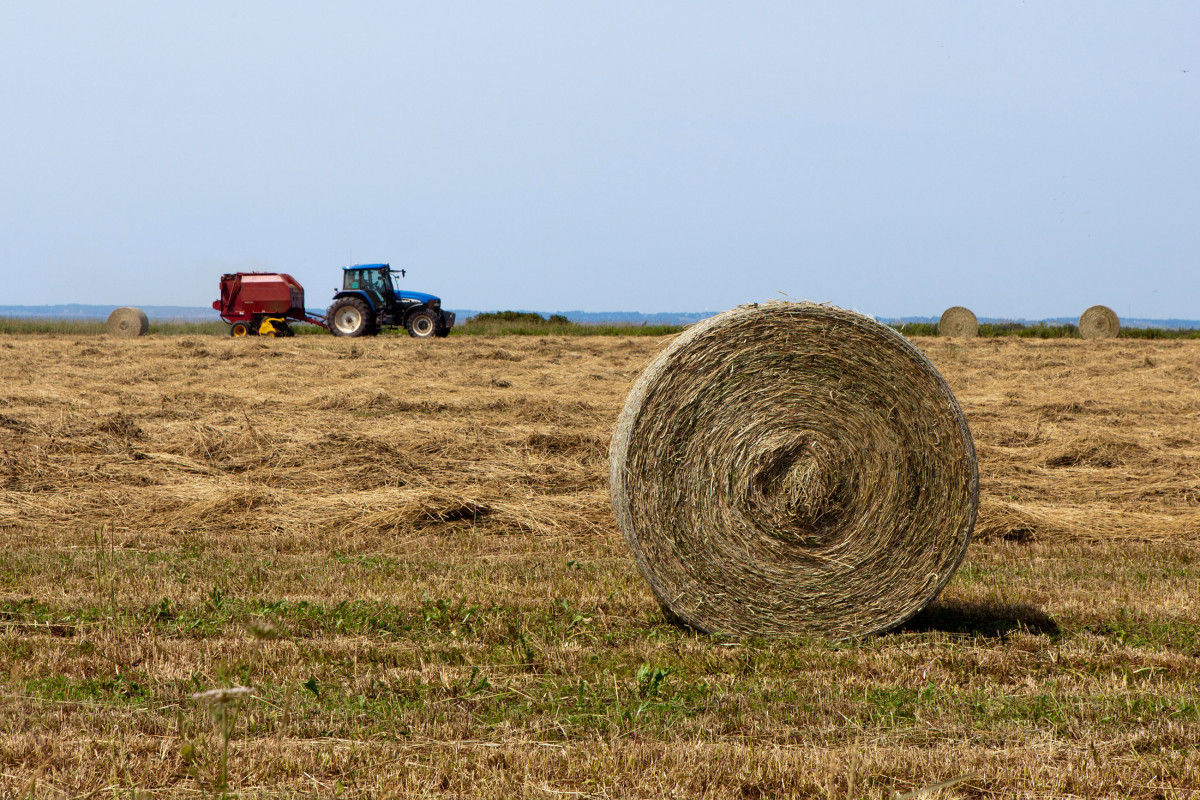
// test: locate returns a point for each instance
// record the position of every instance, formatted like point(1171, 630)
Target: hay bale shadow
point(991, 619)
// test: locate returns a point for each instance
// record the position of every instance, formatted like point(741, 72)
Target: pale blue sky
point(1022, 159)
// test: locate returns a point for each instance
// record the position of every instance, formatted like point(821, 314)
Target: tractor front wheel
point(349, 317)
point(239, 329)
point(422, 325)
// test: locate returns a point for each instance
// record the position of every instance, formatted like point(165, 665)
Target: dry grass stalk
point(1099, 322)
point(793, 467)
point(223, 705)
point(959, 323)
point(128, 323)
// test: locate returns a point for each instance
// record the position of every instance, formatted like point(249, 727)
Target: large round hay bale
point(128, 323)
point(1099, 322)
point(793, 467)
point(959, 323)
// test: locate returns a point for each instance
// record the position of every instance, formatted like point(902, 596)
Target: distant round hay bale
point(1099, 322)
point(793, 467)
point(128, 323)
point(959, 323)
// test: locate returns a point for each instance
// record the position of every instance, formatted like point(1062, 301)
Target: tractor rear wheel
point(349, 316)
point(239, 329)
point(422, 325)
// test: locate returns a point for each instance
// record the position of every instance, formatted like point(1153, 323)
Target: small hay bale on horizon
point(958, 322)
point(128, 323)
point(1099, 322)
point(791, 468)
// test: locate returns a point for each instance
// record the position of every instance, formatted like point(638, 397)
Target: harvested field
point(406, 548)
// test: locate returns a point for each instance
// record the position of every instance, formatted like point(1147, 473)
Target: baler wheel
point(422, 325)
point(239, 329)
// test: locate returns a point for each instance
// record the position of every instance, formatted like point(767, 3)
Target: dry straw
point(1099, 322)
point(791, 468)
point(128, 323)
point(959, 323)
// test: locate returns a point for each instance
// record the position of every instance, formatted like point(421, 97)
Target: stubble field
point(406, 548)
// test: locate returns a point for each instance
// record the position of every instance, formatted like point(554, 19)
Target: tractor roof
point(366, 266)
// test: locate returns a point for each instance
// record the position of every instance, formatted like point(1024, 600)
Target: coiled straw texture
point(790, 468)
point(959, 323)
point(1099, 322)
point(128, 323)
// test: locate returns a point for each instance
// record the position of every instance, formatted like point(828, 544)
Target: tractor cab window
point(367, 279)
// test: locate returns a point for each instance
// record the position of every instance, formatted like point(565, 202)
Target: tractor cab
point(374, 279)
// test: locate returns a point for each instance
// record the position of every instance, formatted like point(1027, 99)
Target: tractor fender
point(361, 295)
point(417, 309)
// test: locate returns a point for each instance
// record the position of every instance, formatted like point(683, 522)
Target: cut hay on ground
point(128, 323)
point(428, 524)
point(1099, 322)
point(959, 323)
point(793, 467)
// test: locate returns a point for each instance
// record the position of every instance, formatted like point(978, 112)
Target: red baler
point(261, 303)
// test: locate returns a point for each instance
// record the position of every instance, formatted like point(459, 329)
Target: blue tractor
point(371, 300)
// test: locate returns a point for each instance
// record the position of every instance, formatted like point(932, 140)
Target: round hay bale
point(128, 323)
point(793, 467)
point(1099, 322)
point(958, 322)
